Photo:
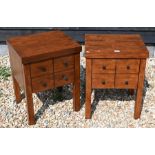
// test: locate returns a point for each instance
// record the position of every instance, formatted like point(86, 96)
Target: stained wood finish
point(64, 78)
point(88, 88)
point(127, 66)
point(42, 83)
point(138, 105)
point(16, 90)
point(44, 61)
point(76, 84)
point(43, 46)
point(118, 61)
point(112, 37)
point(109, 43)
point(63, 63)
point(103, 66)
point(41, 68)
point(103, 80)
point(131, 91)
point(126, 81)
point(28, 94)
point(105, 46)
point(16, 66)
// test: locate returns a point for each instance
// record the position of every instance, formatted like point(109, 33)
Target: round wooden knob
point(65, 78)
point(104, 67)
point(43, 69)
point(103, 82)
point(44, 84)
point(126, 82)
point(128, 67)
point(65, 64)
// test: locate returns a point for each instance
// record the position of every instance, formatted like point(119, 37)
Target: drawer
point(103, 66)
point(42, 83)
point(103, 80)
point(63, 63)
point(127, 66)
point(63, 78)
point(41, 68)
point(126, 81)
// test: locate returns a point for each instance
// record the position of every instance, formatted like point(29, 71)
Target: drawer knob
point(128, 67)
point(44, 84)
point(126, 82)
point(43, 69)
point(65, 64)
point(103, 82)
point(104, 67)
point(65, 77)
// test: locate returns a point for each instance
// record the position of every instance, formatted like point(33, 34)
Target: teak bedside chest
point(43, 61)
point(115, 61)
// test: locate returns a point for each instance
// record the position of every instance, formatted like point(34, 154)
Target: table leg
point(16, 90)
point(28, 94)
point(60, 89)
point(76, 84)
point(131, 91)
point(139, 98)
point(88, 88)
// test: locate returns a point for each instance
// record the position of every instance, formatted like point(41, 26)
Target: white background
point(46, 13)
point(76, 13)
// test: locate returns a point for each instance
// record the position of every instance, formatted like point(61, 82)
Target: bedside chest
point(115, 61)
point(44, 61)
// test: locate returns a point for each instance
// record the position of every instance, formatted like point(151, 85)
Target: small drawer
point(42, 83)
point(103, 80)
point(63, 78)
point(127, 66)
point(126, 81)
point(63, 63)
point(41, 68)
point(103, 66)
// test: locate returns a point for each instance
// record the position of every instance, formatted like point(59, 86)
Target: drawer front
point(127, 66)
point(63, 78)
point(103, 80)
point(126, 81)
point(42, 83)
point(103, 66)
point(41, 68)
point(63, 63)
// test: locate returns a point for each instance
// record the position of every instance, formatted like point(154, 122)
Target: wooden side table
point(43, 61)
point(115, 61)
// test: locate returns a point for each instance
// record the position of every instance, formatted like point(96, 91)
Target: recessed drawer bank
point(52, 73)
point(115, 65)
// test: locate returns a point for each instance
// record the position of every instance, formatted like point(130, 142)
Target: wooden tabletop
point(43, 45)
point(115, 46)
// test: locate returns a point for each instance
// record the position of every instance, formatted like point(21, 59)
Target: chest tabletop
point(44, 61)
point(115, 61)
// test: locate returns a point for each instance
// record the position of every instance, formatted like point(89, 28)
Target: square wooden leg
point(131, 91)
point(28, 94)
point(16, 90)
point(88, 88)
point(76, 85)
point(139, 98)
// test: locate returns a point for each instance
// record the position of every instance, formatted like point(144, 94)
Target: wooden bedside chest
point(43, 61)
point(115, 61)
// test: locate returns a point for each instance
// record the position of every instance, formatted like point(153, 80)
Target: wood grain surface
point(127, 66)
point(63, 63)
point(43, 46)
point(41, 68)
point(103, 66)
point(105, 46)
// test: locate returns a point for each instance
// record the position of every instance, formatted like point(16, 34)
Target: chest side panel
point(16, 66)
